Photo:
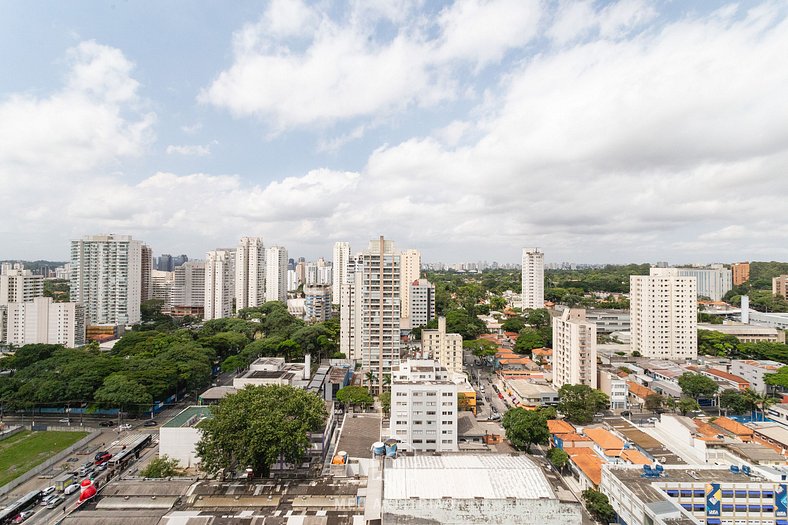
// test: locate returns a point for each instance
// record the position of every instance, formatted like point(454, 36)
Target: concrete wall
point(179, 443)
point(479, 510)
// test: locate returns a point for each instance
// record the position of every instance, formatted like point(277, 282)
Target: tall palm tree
point(372, 379)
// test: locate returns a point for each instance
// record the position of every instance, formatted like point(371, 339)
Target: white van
point(71, 488)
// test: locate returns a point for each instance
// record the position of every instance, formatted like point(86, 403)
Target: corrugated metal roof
point(493, 476)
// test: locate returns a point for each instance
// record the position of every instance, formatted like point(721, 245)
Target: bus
point(9, 513)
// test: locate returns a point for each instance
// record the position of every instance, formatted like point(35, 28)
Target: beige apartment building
point(574, 349)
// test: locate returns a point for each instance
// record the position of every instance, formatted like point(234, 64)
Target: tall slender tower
point(106, 274)
point(410, 272)
point(219, 285)
point(533, 278)
point(249, 273)
point(146, 286)
point(276, 274)
point(370, 311)
point(341, 262)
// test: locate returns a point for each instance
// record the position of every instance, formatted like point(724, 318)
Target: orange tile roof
point(511, 335)
point(728, 376)
point(639, 390)
point(622, 374)
point(579, 451)
point(572, 437)
point(559, 426)
point(635, 457)
point(734, 426)
point(605, 439)
point(590, 465)
point(705, 429)
point(542, 351)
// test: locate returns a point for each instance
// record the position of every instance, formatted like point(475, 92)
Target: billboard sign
point(713, 498)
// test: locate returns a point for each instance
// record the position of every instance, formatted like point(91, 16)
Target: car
point(599, 414)
point(49, 490)
point(107, 424)
point(100, 454)
point(64, 420)
point(652, 419)
point(22, 516)
point(88, 464)
point(150, 423)
point(103, 458)
point(124, 426)
point(71, 488)
point(626, 413)
point(54, 502)
point(46, 499)
point(84, 471)
point(103, 466)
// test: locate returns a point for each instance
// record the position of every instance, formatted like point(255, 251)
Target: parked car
point(71, 489)
point(107, 424)
point(124, 426)
point(150, 423)
point(64, 420)
point(54, 502)
point(49, 490)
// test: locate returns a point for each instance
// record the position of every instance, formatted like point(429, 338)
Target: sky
point(606, 132)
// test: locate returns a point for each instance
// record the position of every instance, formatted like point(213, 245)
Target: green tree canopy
point(687, 405)
point(257, 426)
point(538, 318)
point(525, 428)
point(354, 396)
point(654, 402)
point(529, 339)
point(736, 402)
point(161, 467)
point(697, 385)
point(120, 391)
point(515, 324)
point(481, 347)
point(599, 506)
point(558, 457)
point(579, 403)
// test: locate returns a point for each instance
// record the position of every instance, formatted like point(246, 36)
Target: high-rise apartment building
point(533, 278)
point(42, 321)
point(422, 302)
point(340, 263)
point(423, 407)
point(574, 349)
point(664, 314)
point(249, 273)
point(370, 315)
point(219, 284)
point(442, 347)
point(188, 287)
point(780, 286)
point(161, 287)
point(410, 271)
point(741, 273)
point(713, 282)
point(165, 263)
point(20, 286)
point(317, 302)
point(146, 265)
point(106, 277)
point(276, 274)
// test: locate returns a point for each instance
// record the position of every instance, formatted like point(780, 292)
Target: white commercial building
point(178, 437)
point(219, 285)
point(574, 349)
point(470, 489)
point(664, 314)
point(249, 273)
point(533, 278)
point(188, 287)
point(422, 303)
point(161, 286)
point(369, 312)
point(755, 372)
point(410, 271)
point(20, 286)
point(42, 321)
point(712, 282)
point(442, 347)
point(106, 277)
point(340, 262)
point(276, 274)
point(423, 406)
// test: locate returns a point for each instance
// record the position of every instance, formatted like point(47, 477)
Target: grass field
point(25, 450)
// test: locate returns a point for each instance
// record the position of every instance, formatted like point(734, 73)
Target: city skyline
point(653, 128)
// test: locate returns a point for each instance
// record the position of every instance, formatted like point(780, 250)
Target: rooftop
point(639, 390)
point(634, 456)
point(218, 392)
point(189, 417)
point(733, 426)
point(776, 432)
point(649, 444)
point(604, 438)
point(559, 426)
point(489, 476)
point(358, 433)
point(755, 452)
point(590, 465)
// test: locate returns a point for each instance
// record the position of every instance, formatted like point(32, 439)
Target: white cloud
point(347, 71)
point(193, 150)
point(575, 20)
